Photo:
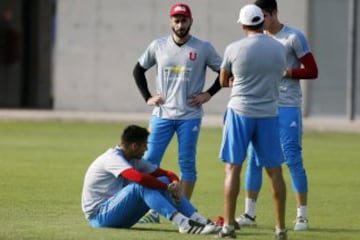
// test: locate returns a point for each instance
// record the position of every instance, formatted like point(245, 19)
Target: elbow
point(316, 73)
point(313, 74)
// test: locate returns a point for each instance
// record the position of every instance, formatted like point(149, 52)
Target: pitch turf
point(42, 167)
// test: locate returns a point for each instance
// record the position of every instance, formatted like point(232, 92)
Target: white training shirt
point(181, 72)
point(103, 180)
point(296, 47)
point(257, 63)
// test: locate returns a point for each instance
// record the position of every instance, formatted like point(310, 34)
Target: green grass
point(42, 167)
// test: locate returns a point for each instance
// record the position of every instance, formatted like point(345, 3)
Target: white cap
point(250, 15)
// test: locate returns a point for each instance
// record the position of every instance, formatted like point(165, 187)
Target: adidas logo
point(293, 124)
point(195, 129)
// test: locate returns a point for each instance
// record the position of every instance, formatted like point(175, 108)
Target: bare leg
point(187, 188)
point(231, 192)
point(278, 195)
point(301, 199)
point(251, 194)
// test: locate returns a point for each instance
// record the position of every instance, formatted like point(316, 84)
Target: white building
point(97, 43)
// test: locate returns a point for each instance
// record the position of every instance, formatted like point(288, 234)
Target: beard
point(181, 33)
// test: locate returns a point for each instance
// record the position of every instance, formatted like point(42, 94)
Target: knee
point(164, 180)
point(188, 171)
point(296, 168)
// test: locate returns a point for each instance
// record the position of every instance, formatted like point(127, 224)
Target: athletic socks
point(197, 217)
point(301, 211)
point(180, 220)
point(250, 207)
point(227, 229)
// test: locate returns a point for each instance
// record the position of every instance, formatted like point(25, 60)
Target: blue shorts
point(262, 133)
point(290, 120)
point(161, 133)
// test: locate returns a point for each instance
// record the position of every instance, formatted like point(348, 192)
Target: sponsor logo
point(177, 69)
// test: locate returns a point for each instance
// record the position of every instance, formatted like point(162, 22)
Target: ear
point(274, 12)
point(133, 146)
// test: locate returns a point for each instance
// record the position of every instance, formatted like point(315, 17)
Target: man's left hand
point(200, 99)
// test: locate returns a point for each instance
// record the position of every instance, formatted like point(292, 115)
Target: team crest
point(192, 56)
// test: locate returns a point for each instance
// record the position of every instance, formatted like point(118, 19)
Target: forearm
point(225, 78)
point(215, 87)
point(162, 172)
point(141, 82)
point(143, 179)
point(309, 71)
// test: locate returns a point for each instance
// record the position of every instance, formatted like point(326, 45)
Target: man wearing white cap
point(301, 64)
point(253, 67)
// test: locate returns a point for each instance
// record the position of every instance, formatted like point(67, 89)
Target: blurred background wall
point(79, 54)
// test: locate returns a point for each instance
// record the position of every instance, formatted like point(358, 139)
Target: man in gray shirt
point(181, 61)
point(253, 67)
point(120, 187)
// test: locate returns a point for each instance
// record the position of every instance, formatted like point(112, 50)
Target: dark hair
point(267, 5)
point(256, 27)
point(134, 134)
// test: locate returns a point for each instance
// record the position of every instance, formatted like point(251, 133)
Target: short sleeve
point(148, 58)
point(226, 63)
point(213, 60)
point(300, 45)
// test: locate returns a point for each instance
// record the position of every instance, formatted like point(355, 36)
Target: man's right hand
point(175, 190)
point(155, 101)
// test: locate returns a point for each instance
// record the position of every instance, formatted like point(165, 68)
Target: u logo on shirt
point(192, 56)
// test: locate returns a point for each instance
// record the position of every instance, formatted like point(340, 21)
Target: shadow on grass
point(334, 230)
point(154, 229)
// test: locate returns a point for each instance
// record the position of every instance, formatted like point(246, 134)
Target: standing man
point(120, 187)
point(297, 54)
point(253, 66)
point(181, 60)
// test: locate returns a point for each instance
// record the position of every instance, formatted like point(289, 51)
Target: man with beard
point(181, 61)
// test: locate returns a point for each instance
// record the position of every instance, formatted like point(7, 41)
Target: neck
point(179, 40)
point(126, 154)
point(253, 32)
point(275, 28)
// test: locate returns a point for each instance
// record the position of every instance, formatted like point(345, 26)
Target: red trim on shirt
point(144, 179)
point(309, 71)
point(162, 172)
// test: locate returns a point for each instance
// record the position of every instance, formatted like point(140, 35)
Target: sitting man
point(120, 187)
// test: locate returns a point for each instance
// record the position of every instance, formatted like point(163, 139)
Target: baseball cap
point(180, 9)
point(250, 15)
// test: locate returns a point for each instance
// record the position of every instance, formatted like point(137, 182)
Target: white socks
point(180, 220)
point(250, 207)
point(279, 230)
point(301, 211)
point(227, 228)
point(183, 222)
point(197, 217)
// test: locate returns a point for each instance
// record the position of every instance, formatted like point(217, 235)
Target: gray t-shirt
point(103, 180)
point(296, 47)
point(180, 74)
point(257, 63)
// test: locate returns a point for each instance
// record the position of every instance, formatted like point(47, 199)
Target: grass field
point(42, 167)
